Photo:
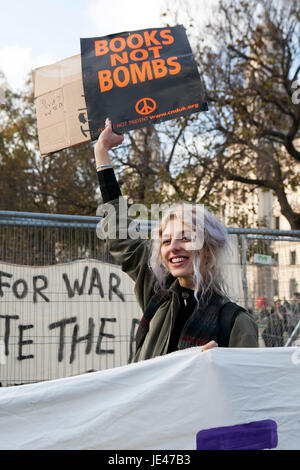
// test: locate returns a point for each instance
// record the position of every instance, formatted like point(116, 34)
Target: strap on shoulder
point(227, 316)
point(151, 308)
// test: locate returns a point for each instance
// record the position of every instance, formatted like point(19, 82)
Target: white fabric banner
point(163, 403)
point(65, 319)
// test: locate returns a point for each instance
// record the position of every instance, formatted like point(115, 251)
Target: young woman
point(178, 277)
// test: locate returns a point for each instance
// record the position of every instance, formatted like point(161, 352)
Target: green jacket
point(133, 256)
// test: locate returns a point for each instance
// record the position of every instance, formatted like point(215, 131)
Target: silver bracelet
point(108, 165)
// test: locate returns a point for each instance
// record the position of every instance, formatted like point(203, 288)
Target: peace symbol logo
point(145, 106)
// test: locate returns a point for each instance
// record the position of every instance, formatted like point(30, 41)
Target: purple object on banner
point(257, 435)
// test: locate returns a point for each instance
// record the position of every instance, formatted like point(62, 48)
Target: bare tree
point(249, 64)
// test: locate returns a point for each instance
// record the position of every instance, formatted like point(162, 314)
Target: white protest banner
point(185, 400)
point(65, 319)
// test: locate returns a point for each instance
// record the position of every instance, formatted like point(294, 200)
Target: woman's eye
point(165, 242)
point(186, 238)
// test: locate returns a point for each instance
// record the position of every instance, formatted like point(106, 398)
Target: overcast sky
point(34, 33)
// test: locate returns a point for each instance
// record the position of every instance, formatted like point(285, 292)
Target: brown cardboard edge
point(80, 144)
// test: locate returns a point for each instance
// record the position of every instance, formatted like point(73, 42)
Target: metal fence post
point(294, 335)
point(244, 267)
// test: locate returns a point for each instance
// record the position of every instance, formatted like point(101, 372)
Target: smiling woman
point(190, 245)
point(178, 276)
point(176, 254)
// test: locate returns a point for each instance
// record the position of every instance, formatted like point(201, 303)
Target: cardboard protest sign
point(139, 78)
point(60, 105)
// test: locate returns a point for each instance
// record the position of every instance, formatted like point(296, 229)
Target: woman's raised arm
point(106, 141)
